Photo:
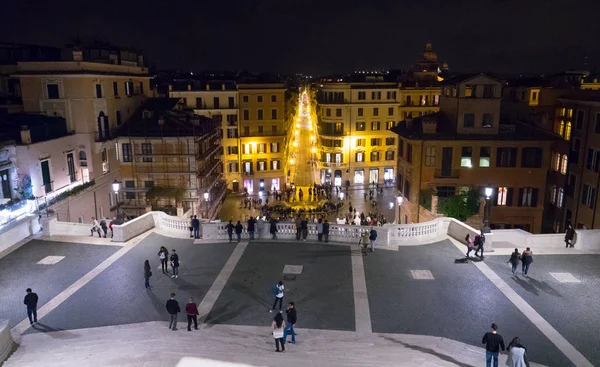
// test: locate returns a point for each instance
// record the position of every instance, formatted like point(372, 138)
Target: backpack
point(275, 290)
point(478, 240)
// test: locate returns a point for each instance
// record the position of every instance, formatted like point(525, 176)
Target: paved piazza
point(415, 290)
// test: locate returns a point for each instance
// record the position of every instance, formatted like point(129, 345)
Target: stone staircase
point(153, 344)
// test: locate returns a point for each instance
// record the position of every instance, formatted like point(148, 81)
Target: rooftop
point(42, 127)
point(446, 130)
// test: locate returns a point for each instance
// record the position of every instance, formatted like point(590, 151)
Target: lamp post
point(116, 186)
point(341, 196)
point(206, 196)
point(486, 213)
point(399, 201)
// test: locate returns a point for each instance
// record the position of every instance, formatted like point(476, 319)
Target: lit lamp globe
point(488, 192)
point(341, 196)
point(116, 186)
point(400, 199)
point(206, 195)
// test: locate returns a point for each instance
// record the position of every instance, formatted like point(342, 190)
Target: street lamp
point(341, 196)
point(486, 213)
point(206, 195)
point(399, 200)
point(116, 185)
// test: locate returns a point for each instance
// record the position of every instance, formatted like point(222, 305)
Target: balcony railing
point(48, 187)
point(447, 173)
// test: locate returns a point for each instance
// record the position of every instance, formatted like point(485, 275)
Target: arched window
point(563, 166)
point(559, 200)
point(568, 131)
point(557, 157)
point(82, 155)
point(553, 194)
point(561, 128)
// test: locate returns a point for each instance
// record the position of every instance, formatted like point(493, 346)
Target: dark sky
point(322, 36)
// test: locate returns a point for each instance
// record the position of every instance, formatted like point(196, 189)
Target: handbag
point(278, 334)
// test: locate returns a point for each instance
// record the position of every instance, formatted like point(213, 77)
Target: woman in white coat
point(517, 354)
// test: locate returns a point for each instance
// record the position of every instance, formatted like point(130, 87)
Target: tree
point(460, 206)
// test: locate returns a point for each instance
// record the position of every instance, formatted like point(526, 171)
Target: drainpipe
point(419, 187)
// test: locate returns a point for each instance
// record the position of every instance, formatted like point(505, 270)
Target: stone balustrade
point(170, 225)
point(6, 341)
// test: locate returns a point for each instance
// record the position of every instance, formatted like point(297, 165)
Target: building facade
point(467, 146)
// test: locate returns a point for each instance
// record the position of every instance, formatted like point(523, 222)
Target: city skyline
point(322, 38)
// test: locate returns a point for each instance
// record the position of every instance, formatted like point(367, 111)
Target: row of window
point(487, 120)
point(248, 166)
point(375, 142)
point(375, 156)
point(258, 148)
point(528, 196)
point(200, 104)
point(259, 114)
point(563, 128)
point(259, 98)
point(53, 90)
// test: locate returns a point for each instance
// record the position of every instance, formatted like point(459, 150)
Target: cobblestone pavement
point(416, 290)
point(20, 270)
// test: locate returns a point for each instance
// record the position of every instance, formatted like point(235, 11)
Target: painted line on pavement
point(362, 313)
point(215, 290)
point(21, 327)
point(544, 326)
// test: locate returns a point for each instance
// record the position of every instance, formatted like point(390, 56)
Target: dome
point(429, 54)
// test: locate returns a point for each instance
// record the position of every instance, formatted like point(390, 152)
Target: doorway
point(374, 175)
point(446, 162)
point(235, 185)
point(5, 177)
point(71, 167)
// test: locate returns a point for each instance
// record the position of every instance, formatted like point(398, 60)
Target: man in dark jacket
point(174, 264)
point(526, 260)
point(326, 230)
point(238, 231)
point(173, 309)
point(273, 228)
point(196, 227)
point(251, 223)
point(31, 300)
point(230, 230)
point(372, 238)
point(493, 342)
point(569, 236)
point(298, 223)
point(479, 242)
point(304, 228)
point(291, 321)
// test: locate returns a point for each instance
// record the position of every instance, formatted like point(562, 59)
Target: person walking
point(517, 354)
point(260, 226)
point(163, 255)
point(493, 343)
point(469, 243)
point(230, 230)
point(278, 293)
point(278, 326)
point(298, 223)
point(31, 300)
point(104, 226)
point(291, 321)
point(238, 231)
point(191, 226)
point(569, 236)
point(95, 228)
point(514, 261)
point(251, 227)
point(526, 260)
point(320, 230)
point(192, 313)
point(326, 230)
point(479, 242)
point(372, 238)
point(174, 264)
point(147, 273)
point(196, 225)
point(273, 228)
point(173, 309)
point(304, 228)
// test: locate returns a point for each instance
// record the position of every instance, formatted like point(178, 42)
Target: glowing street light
point(399, 200)
point(488, 208)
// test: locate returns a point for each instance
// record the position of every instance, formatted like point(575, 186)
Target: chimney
point(77, 55)
point(222, 86)
point(25, 134)
point(189, 87)
point(207, 86)
point(170, 88)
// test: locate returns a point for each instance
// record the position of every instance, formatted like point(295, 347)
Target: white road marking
point(292, 269)
point(217, 287)
point(362, 313)
point(544, 326)
point(50, 260)
point(565, 278)
point(421, 274)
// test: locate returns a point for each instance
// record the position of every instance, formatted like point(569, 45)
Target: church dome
point(429, 54)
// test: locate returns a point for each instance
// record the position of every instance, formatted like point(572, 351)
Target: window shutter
point(495, 197)
point(513, 157)
point(498, 158)
point(520, 203)
point(509, 196)
point(534, 195)
point(538, 158)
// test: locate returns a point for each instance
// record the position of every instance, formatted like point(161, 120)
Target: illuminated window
point(338, 157)
point(502, 195)
point(484, 156)
point(360, 156)
point(561, 128)
point(559, 200)
point(564, 163)
point(570, 112)
point(568, 131)
point(361, 142)
point(465, 158)
point(430, 156)
point(468, 91)
point(556, 162)
point(328, 157)
point(563, 111)
point(553, 194)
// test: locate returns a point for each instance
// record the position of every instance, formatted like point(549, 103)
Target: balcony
point(48, 187)
point(447, 173)
point(105, 135)
point(248, 134)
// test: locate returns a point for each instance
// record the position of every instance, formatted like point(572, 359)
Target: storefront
point(359, 176)
point(388, 174)
point(337, 180)
point(374, 175)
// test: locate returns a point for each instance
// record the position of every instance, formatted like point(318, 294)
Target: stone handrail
point(6, 340)
point(169, 224)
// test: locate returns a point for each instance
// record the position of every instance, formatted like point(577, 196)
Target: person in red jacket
point(192, 314)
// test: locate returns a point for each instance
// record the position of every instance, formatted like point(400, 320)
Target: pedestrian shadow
point(526, 285)
point(244, 290)
point(43, 328)
point(432, 352)
point(159, 305)
point(465, 260)
point(184, 286)
point(223, 314)
point(321, 254)
point(545, 287)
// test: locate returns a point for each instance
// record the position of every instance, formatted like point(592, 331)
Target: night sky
point(323, 36)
